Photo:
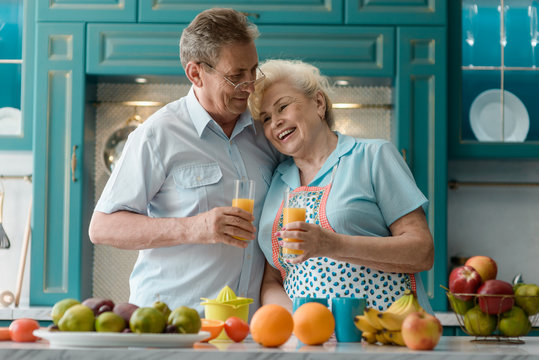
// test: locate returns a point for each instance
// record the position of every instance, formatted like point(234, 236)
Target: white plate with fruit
point(98, 322)
point(103, 339)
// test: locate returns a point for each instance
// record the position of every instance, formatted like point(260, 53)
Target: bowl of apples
point(489, 309)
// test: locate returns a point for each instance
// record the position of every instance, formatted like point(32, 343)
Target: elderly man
point(169, 196)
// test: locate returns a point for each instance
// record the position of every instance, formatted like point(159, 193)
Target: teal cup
point(344, 310)
point(298, 301)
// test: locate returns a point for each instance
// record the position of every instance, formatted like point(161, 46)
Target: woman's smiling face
point(291, 119)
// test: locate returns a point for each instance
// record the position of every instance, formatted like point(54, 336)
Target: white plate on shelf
point(104, 339)
point(486, 117)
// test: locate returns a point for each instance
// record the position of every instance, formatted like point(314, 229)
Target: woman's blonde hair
point(304, 77)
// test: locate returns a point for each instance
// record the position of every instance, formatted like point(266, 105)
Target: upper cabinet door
point(15, 124)
point(493, 64)
point(393, 12)
point(260, 12)
point(87, 10)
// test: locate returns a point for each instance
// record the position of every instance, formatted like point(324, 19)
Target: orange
point(4, 334)
point(313, 323)
point(214, 327)
point(271, 325)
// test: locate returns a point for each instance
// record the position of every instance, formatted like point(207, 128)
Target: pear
point(478, 323)
point(161, 306)
point(515, 322)
point(527, 298)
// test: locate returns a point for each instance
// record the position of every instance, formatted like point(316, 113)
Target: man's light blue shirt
point(180, 163)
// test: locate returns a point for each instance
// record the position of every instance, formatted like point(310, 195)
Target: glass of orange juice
point(244, 196)
point(293, 210)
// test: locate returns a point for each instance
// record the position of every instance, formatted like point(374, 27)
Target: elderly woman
point(366, 233)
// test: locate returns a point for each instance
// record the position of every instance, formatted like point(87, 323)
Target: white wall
point(16, 202)
point(501, 222)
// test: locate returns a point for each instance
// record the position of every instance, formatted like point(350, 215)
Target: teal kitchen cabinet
point(421, 107)
point(153, 49)
point(75, 54)
point(86, 10)
point(482, 67)
point(260, 12)
point(57, 251)
point(396, 12)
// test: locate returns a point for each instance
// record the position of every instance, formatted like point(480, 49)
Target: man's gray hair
point(212, 29)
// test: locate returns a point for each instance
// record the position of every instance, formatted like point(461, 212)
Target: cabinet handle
point(254, 15)
point(403, 151)
point(73, 163)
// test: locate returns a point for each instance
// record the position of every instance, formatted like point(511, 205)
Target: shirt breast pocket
point(196, 183)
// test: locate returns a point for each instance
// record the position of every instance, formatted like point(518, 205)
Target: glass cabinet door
point(14, 133)
point(499, 72)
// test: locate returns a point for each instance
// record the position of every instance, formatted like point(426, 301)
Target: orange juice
point(245, 204)
point(290, 215)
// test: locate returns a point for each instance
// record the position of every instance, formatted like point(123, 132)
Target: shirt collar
point(290, 173)
point(201, 119)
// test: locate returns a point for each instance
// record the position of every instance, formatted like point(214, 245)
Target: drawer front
point(337, 51)
point(396, 12)
point(260, 12)
point(153, 49)
point(134, 49)
point(85, 10)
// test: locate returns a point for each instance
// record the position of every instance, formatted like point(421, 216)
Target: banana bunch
point(385, 326)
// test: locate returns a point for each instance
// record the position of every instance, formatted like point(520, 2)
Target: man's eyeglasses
point(244, 85)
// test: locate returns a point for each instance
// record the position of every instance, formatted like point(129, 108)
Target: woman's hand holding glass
point(311, 241)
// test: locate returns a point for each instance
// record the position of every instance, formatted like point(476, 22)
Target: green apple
point(515, 322)
point(527, 297)
point(478, 323)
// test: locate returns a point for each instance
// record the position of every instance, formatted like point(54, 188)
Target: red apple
point(464, 280)
point(485, 266)
point(421, 331)
point(496, 304)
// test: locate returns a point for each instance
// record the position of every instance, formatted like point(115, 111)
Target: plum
point(125, 310)
point(96, 303)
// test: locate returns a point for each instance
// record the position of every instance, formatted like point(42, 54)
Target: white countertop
point(35, 312)
point(453, 347)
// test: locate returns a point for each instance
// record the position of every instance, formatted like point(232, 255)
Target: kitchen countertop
point(452, 347)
